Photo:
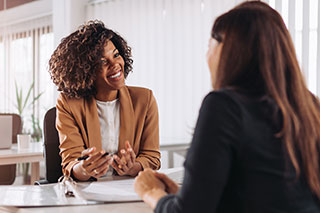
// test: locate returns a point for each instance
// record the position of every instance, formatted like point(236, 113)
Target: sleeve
point(71, 141)
point(209, 159)
point(149, 154)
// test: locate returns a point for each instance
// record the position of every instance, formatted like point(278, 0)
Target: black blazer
point(236, 164)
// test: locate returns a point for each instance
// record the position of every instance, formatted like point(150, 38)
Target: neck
point(109, 95)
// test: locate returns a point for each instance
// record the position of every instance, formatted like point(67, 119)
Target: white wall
point(169, 39)
point(67, 16)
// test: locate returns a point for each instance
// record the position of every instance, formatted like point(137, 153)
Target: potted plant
point(23, 103)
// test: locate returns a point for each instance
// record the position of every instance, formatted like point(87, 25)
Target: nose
point(113, 62)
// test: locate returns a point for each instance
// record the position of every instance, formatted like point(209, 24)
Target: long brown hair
point(258, 56)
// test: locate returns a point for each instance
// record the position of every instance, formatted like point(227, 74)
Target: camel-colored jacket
point(79, 128)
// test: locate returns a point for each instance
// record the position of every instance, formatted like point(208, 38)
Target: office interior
point(169, 39)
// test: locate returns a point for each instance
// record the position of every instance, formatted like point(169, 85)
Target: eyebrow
point(115, 49)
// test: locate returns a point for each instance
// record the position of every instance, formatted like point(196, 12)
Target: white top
point(109, 117)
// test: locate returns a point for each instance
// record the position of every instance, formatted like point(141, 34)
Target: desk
point(34, 154)
point(128, 207)
point(133, 207)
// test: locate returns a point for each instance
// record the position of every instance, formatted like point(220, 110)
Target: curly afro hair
point(74, 63)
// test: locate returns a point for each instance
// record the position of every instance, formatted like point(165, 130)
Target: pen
point(86, 156)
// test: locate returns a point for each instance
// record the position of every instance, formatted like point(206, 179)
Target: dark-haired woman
point(96, 112)
point(256, 144)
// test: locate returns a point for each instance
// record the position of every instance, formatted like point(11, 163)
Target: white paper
point(112, 191)
point(176, 174)
point(30, 196)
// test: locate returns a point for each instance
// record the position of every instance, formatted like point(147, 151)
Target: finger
point(88, 151)
point(94, 173)
point(132, 155)
point(120, 172)
point(91, 158)
point(105, 171)
point(103, 163)
point(118, 161)
point(114, 164)
point(123, 156)
point(127, 144)
point(171, 186)
point(130, 151)
point(128, 160)
point(94, 161)
point(102, 169)
point(84, 170)
point(115, 167)
point(125, 169)
point(123, 164)
point(164, 178)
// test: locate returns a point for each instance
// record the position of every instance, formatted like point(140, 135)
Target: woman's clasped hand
point(125, 163)
point(98, 163)
point(151, 186)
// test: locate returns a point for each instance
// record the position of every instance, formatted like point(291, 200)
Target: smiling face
point(111, 75)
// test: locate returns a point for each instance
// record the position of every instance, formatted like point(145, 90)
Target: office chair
point(51, 151)
point(8, 172)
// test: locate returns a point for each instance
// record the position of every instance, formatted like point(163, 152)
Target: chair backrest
point(51, 143)
point(8, 172)
point(16, 125)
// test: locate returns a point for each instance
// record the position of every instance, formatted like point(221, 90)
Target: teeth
point(116, 75)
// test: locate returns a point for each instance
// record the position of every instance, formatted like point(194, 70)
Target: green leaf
point(19, 99)
point(36, 98)
point(28, 95)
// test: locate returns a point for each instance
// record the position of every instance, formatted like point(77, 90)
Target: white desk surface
point(33, 154)
point(15, 155)
point(133, 207)
point(127, 207)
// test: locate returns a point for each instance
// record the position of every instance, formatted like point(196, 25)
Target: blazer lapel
point(126, 118)
point(93, 124)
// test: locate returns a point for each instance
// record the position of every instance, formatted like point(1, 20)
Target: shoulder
point(140, 94)
point(222, 99)
point(222, 107)
point(67, 102)
point(139, 91)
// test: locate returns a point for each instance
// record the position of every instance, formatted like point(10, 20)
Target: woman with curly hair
point(96, 112)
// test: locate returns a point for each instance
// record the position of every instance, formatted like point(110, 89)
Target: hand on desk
point(150, 187)
point(171, 186)
point(126, 164)
point(96, 165)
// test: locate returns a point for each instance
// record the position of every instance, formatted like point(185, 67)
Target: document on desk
point(33, 196)
point(110, 191)
point(176, 174)
point(105, 190)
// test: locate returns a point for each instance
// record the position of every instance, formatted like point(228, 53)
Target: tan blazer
point(79, 127)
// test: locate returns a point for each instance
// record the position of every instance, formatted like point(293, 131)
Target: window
point(2, 74)
point(45, 83)
point(24, 60)
point(301, 17)
point(20, 62)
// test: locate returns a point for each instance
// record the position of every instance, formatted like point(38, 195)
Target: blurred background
point(169, 40)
